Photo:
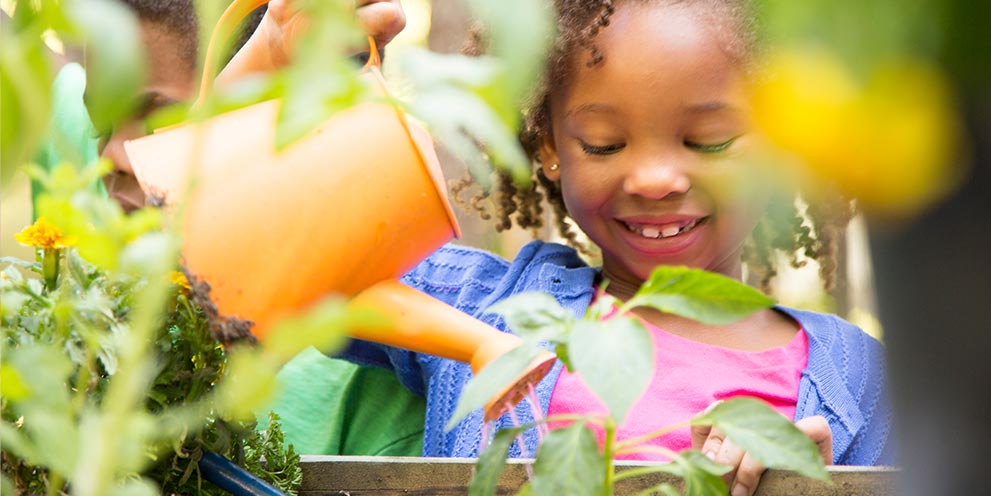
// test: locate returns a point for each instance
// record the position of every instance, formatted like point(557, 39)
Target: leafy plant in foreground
point(110, 373)
point(614, 353)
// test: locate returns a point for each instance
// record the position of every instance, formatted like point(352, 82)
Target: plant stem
point(54, 484)
point(50, 261)
point(609, 451)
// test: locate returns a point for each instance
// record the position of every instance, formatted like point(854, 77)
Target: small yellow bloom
point(890, 140)
point(42, 234)
point(179, 279)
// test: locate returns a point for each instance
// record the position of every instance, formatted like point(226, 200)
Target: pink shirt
point(688, 377)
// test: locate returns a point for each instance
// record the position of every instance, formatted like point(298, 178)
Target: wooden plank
point(388, 476)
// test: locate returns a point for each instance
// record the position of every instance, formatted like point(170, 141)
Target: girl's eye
point(711, 148)
point(602, 150)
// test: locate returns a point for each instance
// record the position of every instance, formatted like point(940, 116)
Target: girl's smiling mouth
point(665, 229)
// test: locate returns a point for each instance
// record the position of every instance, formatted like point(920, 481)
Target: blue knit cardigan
point(844, 380)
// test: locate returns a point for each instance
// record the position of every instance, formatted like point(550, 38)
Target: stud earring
point(552, 167)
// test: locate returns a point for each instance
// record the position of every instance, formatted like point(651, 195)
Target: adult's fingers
point(817, 428)
point(382, 19)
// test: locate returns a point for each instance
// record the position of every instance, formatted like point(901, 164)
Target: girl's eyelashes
point(601, 150)
point(711, 147)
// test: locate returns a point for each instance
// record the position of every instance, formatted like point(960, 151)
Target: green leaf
point(248, 385)
point(615, 359)
point(136, 487)
point(115, 59)
point(491, 462)
point(697, 294)
point(764, 433)
point(323, 326)
point(16, 442)
point(603, 305)
point(25, 86)
point(495, 377)
point(535, 316)
point(569, 462)
point(520, 33)
point(702, 476)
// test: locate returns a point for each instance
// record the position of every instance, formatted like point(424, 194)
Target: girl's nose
point(656, 179)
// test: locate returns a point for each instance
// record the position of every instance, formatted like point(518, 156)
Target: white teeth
point(650, 232)
point(665, 231)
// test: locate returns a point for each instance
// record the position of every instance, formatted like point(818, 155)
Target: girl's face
point(170, 78)
point(651, 144)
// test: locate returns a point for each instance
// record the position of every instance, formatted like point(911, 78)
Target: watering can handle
point(226, 25)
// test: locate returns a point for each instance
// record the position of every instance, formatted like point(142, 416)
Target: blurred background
point(910, 138)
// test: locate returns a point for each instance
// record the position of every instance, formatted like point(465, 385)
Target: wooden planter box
point(387, 476)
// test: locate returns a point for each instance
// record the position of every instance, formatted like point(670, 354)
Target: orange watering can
point(346, 209)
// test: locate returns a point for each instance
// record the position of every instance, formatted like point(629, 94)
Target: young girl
point(641, 139)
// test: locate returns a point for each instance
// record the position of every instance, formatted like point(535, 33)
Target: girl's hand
point(742, 480)
point(271, 45)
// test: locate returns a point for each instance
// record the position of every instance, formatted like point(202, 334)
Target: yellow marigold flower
point(42, 234)
point(179, 279)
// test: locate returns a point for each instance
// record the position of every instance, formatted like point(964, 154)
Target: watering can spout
point(423, 324)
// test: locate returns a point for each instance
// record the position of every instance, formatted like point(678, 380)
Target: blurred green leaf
point(136, 487)
point(16, 442)
point(495, 377)
point(115, 61)
point(615, 359)
point(766, 434)
point(324, 327)
point(519, 33)
point(450, 96)
point(320, 81)
point(249, 383)
point(25, 84)
point(491, 462)
point(535, 316)
point(700, 295)
point(569, 462)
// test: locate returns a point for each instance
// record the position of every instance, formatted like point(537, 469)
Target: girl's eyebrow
point(590, 108)
point(713, 106)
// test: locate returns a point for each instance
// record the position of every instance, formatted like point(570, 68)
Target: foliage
point(109, 374)
point(613, 351)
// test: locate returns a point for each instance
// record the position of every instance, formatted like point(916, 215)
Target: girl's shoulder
point(461, 275)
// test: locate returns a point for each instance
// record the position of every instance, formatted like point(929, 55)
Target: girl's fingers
point(747, 476)
point(817, 428)
point(731, 455)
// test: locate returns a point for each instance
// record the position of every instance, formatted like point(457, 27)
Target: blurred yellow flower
point(43, 234)
point(179, 279)
point(891, 142)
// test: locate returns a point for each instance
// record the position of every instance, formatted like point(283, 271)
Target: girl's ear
point(548, 158)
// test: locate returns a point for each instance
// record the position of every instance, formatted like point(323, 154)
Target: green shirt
point(71, 136)
point(332, 407)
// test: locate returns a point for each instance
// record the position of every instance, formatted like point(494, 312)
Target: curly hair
point(793, 227)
